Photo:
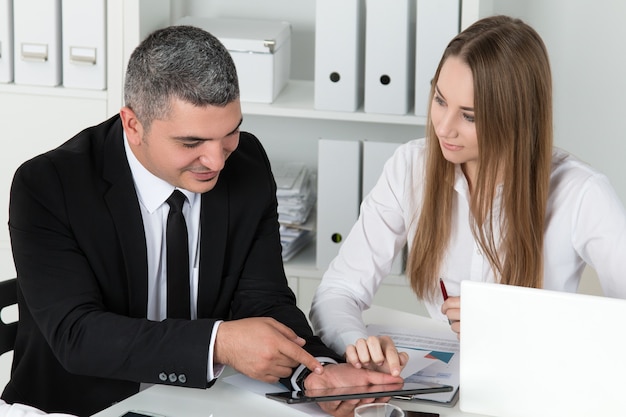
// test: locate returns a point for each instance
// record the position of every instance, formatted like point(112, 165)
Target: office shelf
point(296, 100)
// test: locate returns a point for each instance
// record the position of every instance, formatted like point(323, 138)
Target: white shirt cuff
point(301, 368)
point(214, 370)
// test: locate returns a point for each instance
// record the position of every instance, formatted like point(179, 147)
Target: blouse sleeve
point(365, 258)
point(599, 233)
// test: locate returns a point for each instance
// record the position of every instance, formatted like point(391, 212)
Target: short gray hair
point(183, 62)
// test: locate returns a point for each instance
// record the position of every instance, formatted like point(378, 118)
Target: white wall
point(585, 40)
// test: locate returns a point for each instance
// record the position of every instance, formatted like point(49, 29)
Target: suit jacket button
point(182, 378)
point(172, 378)
point(162, 376)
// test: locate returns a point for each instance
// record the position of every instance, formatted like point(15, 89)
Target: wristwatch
point(306, 372)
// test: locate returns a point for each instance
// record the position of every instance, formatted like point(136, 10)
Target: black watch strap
point(304, 374)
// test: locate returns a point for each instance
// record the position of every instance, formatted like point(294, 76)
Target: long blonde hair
point(513, 119)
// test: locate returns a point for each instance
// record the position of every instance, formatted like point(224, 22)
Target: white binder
point(6, 41)
point(84, 44)
point(37, 42)
point(437, 22)
point(375, 154)
point(389, 56)
point(338, 195)
point(339, 44)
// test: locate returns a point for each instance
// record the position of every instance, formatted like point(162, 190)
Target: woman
point(484, 197)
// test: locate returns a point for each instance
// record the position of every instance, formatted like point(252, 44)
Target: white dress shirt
point(152, 193)
point(585, 224)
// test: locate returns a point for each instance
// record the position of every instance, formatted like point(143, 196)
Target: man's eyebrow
point(237, 127)
point(194, 138)
point(443, 97)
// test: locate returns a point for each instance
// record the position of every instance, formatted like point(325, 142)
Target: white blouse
point(22, 410)
point(585, 224)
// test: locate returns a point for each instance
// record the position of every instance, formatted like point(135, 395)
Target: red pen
point(443, 289)
point(444, 292)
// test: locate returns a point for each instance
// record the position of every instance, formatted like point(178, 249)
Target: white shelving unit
point(57, 113)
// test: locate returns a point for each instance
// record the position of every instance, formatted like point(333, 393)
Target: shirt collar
point(462, 187)
point(460, 182)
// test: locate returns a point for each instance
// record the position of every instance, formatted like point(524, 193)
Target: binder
point(84, 44)
point(6, 41)
point(389, 56)
point(437, 22)
point(37, 42)
point(338, 195)
point(375, 154)
point(339, 54)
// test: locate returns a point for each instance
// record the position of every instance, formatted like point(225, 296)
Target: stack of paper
point(296, 198)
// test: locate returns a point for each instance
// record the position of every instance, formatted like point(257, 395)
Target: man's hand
point(262, 348)
point(452, 309)
point(377, 353)
point(346, 375)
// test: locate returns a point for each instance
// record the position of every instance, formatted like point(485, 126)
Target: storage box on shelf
point(261, 50)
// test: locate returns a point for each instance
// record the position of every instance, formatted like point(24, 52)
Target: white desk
point(226, 400)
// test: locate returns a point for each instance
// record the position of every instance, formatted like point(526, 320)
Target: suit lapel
point(214, 229)
point(123, 204)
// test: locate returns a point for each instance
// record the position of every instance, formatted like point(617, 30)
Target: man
point(89, 224)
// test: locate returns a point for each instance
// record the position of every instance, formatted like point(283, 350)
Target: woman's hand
point(378, 353)
point(452, 309)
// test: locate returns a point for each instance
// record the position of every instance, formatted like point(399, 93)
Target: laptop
point(533, 352)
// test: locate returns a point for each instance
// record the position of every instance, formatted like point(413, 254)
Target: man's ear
point(132, 126)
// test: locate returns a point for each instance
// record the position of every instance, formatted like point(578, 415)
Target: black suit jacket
point(79, 247)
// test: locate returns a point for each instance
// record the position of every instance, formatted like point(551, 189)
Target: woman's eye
point(468, 117)
point(439, 101)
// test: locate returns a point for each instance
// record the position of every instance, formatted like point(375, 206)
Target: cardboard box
point(261, 50)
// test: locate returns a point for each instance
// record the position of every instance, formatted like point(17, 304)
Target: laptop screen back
point(530, 352)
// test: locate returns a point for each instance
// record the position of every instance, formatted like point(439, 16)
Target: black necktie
point(177, 259)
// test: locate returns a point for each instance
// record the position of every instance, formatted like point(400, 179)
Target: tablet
point(403, 390)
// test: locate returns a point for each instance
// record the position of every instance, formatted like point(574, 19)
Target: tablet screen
point(407, 390)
